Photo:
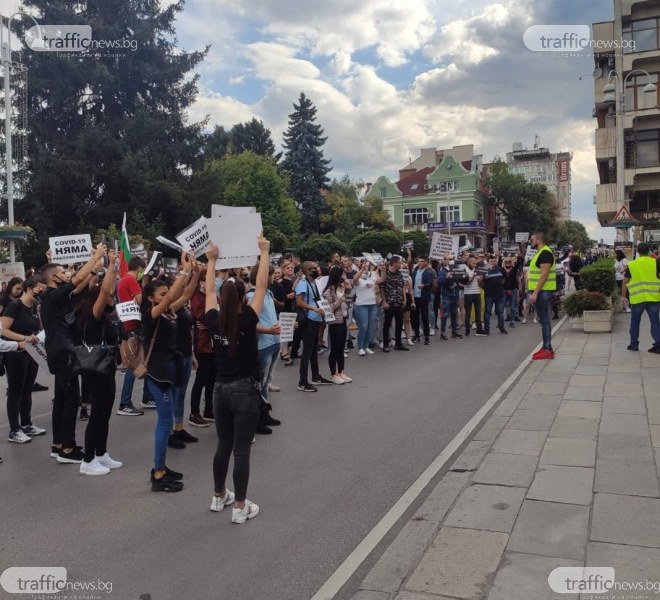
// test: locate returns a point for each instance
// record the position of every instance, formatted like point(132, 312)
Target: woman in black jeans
point(334, 294)
point(20, 323)
point(236, 399)
point(93, 327)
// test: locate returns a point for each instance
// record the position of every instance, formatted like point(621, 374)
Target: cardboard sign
point(374, 258)
point(11, 270)
point(128, 311)
point(68, 249)
point(442, 244)
point(287, 325)
point(408, 245)
point(169, 243)
point(236, 237)
point(171, 266)
point(38, 352)
point(154, 264)
point(529, 254)
point(522, 236)
point(195, 238)
point(218, 210)
point(325, 305)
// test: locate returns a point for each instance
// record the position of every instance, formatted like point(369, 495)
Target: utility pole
point(9, 166)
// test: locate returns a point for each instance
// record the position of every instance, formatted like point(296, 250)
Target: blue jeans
point(365, 315)
point(180, 390)
point(164, 396)
point(543, 314)
point(449, 309)
point(498, 301)
point(127, 389)
point(636, 312)
point(512, 302)
point(267, 361)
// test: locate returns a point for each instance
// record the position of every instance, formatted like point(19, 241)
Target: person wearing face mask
point(57, 317)
point(20, 323)
point(288, 282)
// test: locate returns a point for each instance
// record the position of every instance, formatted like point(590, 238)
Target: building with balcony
point(539, 165)
point(441, 190)
point(636, 30)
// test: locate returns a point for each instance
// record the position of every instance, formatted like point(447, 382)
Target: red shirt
point(202, 339)
point(127, 289)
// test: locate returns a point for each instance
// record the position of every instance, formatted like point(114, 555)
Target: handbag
point(140, 370)
point(94, 359)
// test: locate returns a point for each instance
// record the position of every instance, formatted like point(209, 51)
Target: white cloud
point(222, 110)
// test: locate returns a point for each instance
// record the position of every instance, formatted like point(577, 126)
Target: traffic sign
point(623, 214)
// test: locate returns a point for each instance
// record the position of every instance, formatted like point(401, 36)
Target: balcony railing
point(414, 227)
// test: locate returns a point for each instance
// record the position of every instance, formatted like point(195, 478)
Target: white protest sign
point(522, 236)
point(195, 238)
point(155, 263)
point(10, 270)
point(287, 326)
point(530, 253)
point(374, 258)
point(67, 249)
point(442, 244)
point(218, 210)
point(128, 311)
point(38, 352)
point(169, 244)
point(236, 237)
point(325, 305)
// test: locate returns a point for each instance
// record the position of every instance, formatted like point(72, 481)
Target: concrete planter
point(597, 321)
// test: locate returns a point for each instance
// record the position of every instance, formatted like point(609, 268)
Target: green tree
point(216, 143)
point(526, 206)
point(420, 239)
point(383, 242)
point(573, 233)
point(109, 133)
point(247, 179)
point(305, 164)
point(255, 137)
point(321, 247)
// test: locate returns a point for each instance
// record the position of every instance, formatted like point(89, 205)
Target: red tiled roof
point(407, 183)
point(467, 165)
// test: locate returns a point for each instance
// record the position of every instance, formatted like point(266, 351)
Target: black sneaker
point(481, 333)
point(37, 387)
point(185, 437)
point(517, 319)
point(655, 350)
point(443, 336)
point(84, 414)
point(415, 338)
point(633, 348)
point(167, 483)
point(208, 416)
point(174, 442)
point(385, 349)
point(128, 410)
point(173, 474)
point(73, 457)
point(148, 404)
point(350, 344)
point(264, 430)
point(401, 348)
point(306, 387)
point(467, 333)
point(456, 336)
point(512, 325)
point(504, 331)
point(272, 421)
point(427, 341)
point(321, 381)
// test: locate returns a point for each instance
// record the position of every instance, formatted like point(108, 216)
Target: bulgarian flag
point(124, 249)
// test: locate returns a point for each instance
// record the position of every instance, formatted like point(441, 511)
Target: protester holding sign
point(164, 369)
point(334, 295)
point(20, 323)
point(93, 328)
point(57, 308)
point(236, 400)
point(365, 308)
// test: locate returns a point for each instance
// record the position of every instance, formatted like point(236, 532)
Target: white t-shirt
point(473, 286)
point(365, 290)
point(620, 268)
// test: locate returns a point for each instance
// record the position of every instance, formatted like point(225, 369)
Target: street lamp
point(618, 98)
point(5, 48)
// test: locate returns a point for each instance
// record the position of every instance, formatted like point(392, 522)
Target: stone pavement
point(563, 473)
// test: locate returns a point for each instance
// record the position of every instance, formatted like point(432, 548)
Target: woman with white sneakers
point(365, 307)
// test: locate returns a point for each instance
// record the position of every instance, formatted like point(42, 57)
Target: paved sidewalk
point(564, 473)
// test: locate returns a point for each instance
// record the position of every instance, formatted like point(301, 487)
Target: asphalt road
point(341, 459)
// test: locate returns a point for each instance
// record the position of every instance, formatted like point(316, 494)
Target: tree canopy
point(573, 233)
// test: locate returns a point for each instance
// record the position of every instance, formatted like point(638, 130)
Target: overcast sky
point(389, 77)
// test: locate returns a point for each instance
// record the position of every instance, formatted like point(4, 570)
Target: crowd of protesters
point(224, 327)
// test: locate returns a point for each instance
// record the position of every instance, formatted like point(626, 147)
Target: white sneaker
point(33, 430)
point(410, 342)
point(536, 321)
point(474, 325)
point(93, 468)
point(337, 379)
point(432, 331)
point(240, 515)
point(370, 351)
point(273, 388)
point(345, 354)
point(346, 378)
point(19, 437)
point(524, 320)
point(361, 352)
point(218, 503)
point(627, 310)
point(109, 462)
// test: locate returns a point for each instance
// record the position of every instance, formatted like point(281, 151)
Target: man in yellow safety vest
point(542, 284)
point(642, 280)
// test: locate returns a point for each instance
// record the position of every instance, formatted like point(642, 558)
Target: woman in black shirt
point(11, 292)
point(20, 323)
point(94, 327)
point(164, 369)
point(236, 399)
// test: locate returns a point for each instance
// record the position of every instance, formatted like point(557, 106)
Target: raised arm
point(188, 291)
point(174, 293)
point(211, 300)
point(107, 287)
point(257, 303)
point(81, 276)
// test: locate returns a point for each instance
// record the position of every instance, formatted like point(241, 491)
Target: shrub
point(383, 242)
point(320, 247)
point(575, 304)
point(599, 277)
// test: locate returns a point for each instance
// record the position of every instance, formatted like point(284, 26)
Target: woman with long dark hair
point(20, 323)
point(93, 327)
point(164, 368)
point(236, 398)
point(334, 294)
point(12, 292)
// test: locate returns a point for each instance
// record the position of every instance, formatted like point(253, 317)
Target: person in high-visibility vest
point(642, 280)
point(542, 284)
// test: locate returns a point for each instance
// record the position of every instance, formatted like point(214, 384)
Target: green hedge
point(575, 304)
point(384, 242)
point(599, 277)
point(321, 247)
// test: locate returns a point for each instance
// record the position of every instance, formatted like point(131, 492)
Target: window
point(414, 186)
point(648, 148)
point(644, 34)
point(635, 98)
point(383, 192)
point(415, 216)
point(449, 214)
point(448, 186)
